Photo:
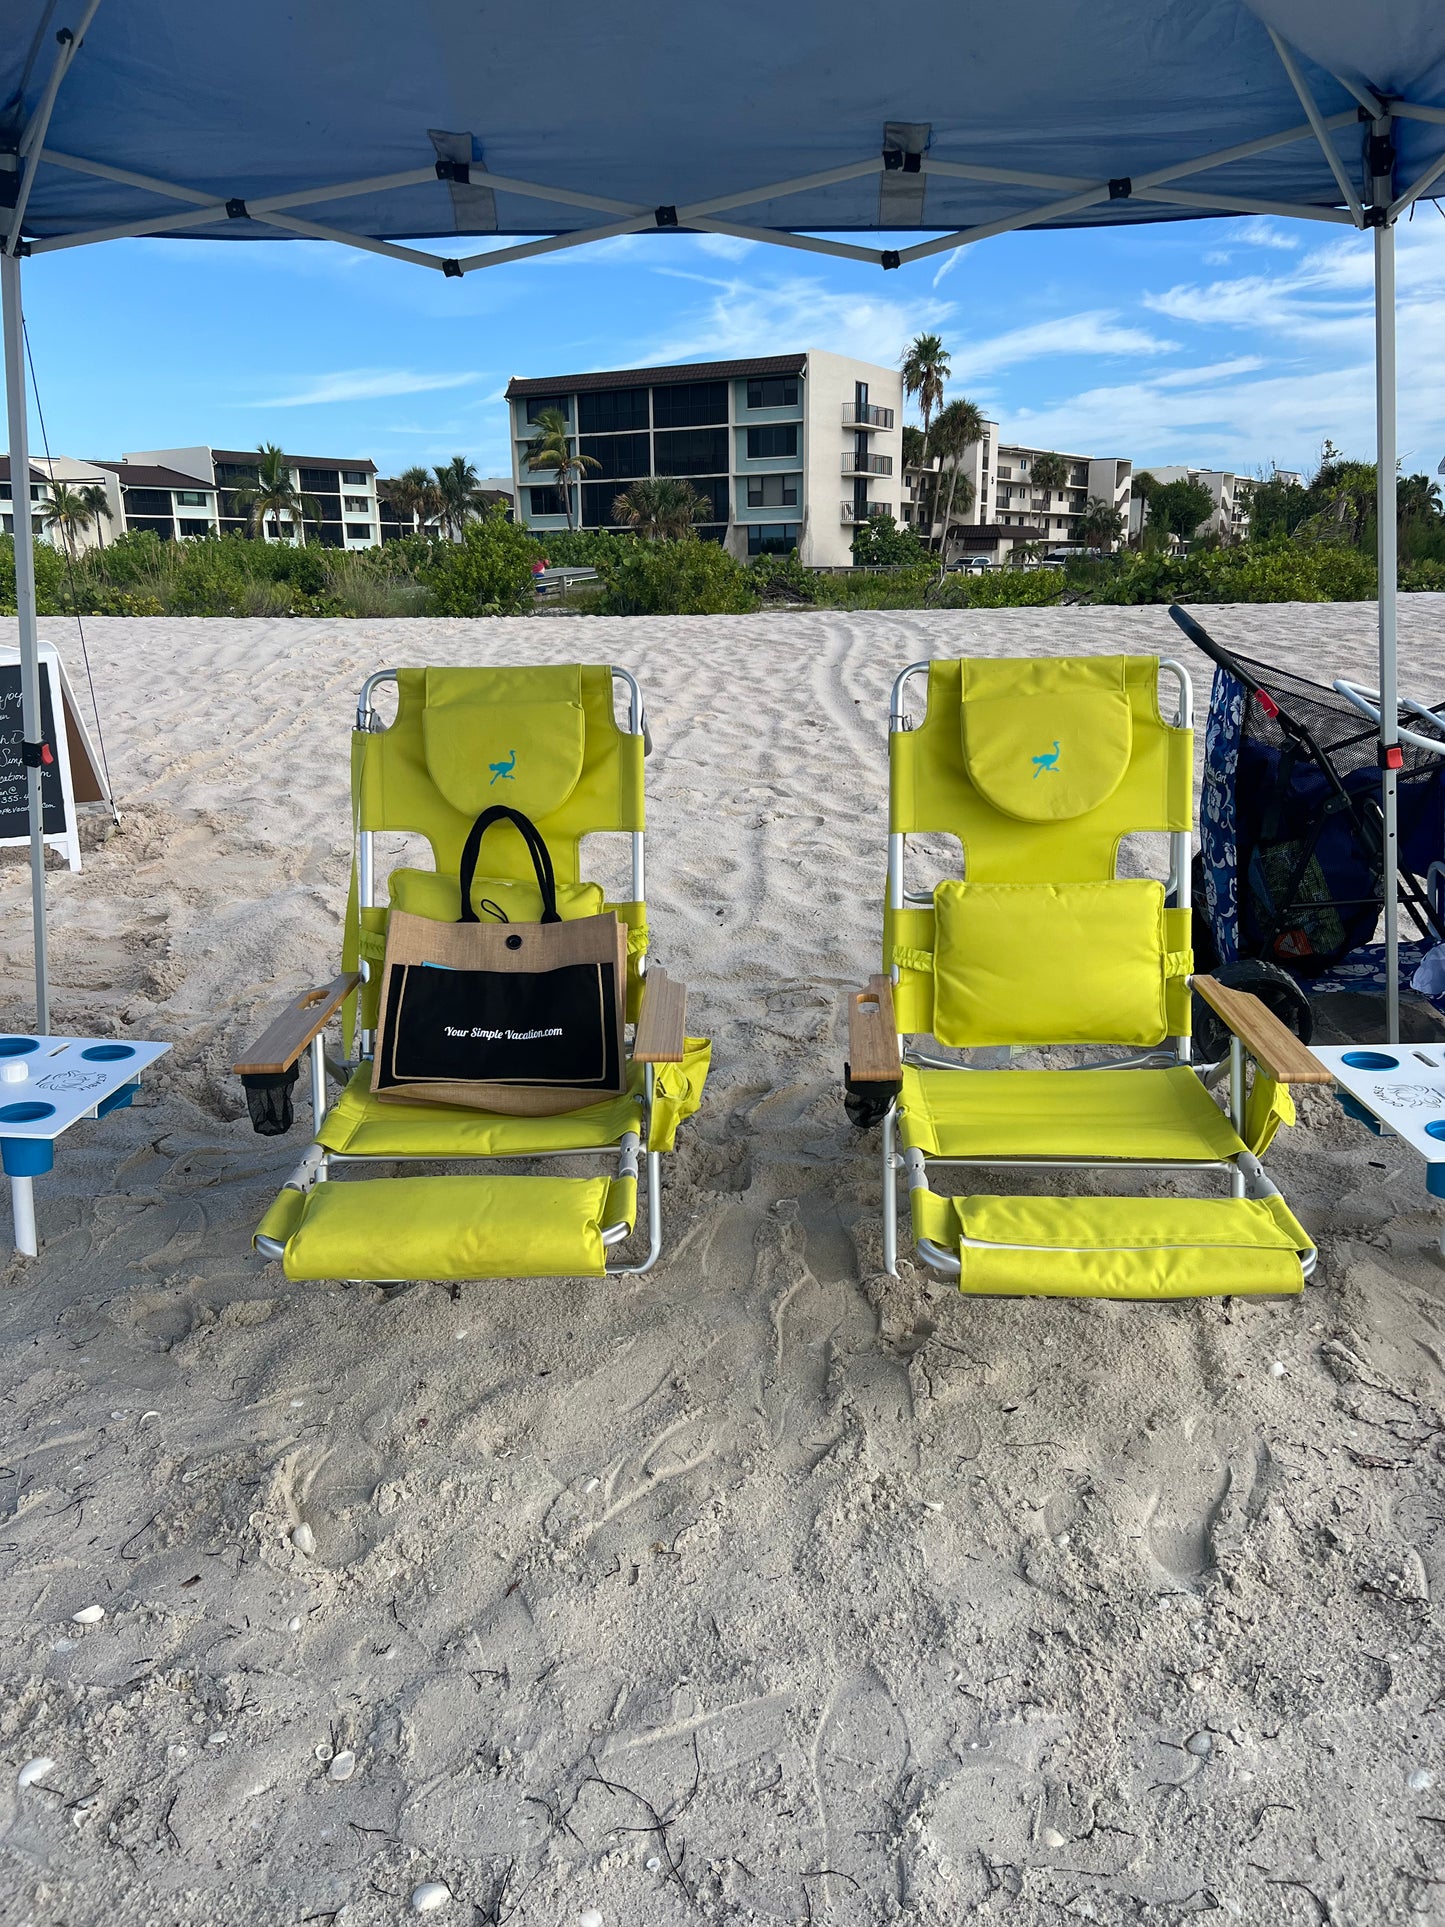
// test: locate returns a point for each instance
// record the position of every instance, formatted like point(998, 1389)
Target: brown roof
point(36, 474)
point(253, 456)
point(647, 377)
point(991, 531)
point(149, 475)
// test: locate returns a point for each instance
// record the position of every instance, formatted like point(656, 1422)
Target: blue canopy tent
point(376, 127)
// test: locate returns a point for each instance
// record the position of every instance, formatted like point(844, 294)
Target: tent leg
point(25, 605)
point(1388, 561)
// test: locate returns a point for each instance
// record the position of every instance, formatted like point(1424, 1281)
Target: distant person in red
point(540, 564)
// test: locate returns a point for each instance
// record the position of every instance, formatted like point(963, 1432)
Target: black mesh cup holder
point(268, 1099)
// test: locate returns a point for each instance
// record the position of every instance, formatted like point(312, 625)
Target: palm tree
point(661, 507)
point(552, 448)
point(1101, 524)
point(414, 496)
point(271, 494)
point(1049, 472)
point(958, 427)
point(68, 511)
point(456, 486)
point(1143, 487)
point(98, 502)
point(926, 368)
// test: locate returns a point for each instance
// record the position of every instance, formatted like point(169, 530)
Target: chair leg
point(890, 1197)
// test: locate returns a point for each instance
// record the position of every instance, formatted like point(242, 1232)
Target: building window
point(358, 531)
point(620, 457)
point(693, 451)
point(191, 529)
point(236, 472)
point(714, 490)
point(612, 411)
point(320, 478)
point(781, 438)
point(546, 501)
point(774, 391)
point(773, 491)
point(148, 501)
point(539, 405)
point(597, 500)
point(357, 505)
point(190, 498)
point(772, 538)
point(690, 404)
point(354, 477)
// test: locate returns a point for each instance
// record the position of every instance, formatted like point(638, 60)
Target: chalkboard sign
point(14, 789)
point(74, 774)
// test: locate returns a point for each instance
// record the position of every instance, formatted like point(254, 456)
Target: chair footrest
point(1119, 1247)
point(450, 1228)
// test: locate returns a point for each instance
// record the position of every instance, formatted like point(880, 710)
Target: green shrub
point(878, 588)
point(782, 578)
point(880, 543)
point(688, 577)
point(1000, 589)
point(488, 573)
point(581, 548)
point(1277, 571)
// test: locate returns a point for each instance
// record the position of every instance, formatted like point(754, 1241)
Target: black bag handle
point(536, 848)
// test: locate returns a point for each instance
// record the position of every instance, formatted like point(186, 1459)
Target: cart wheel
point(1275, 988)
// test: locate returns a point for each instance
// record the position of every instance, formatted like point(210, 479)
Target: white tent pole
point(1381, 194)
point(25, 605)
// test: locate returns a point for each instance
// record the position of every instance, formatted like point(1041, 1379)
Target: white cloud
point(744, 317)
point(1264, 233)
point(726, 247)
point(1096, 331)
point(364, 384)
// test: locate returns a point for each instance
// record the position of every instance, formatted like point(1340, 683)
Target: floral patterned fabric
point(1218, 825)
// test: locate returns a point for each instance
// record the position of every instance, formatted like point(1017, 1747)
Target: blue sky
point(1238, 344)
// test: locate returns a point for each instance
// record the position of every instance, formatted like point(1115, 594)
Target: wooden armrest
point(661, 1033)
point(872, 1035)
point(284, 1039)
point(1273, 1045)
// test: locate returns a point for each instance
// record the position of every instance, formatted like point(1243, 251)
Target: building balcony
point(866, 416)
point(856, 464)
point(848, 513)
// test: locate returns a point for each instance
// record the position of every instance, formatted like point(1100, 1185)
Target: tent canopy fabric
point(656, 106)
point(378, 126)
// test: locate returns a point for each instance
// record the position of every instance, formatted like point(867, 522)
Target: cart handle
point(1367, 701)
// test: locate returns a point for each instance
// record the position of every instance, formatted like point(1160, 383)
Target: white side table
point(46, 1085)
point(1400, 1088)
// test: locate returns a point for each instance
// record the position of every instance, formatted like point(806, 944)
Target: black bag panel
point(548, 1027)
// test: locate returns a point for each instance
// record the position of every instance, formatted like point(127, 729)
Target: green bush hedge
point(487, 573)
point(685, 578)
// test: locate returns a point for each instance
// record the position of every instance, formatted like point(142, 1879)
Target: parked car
point(972, 565)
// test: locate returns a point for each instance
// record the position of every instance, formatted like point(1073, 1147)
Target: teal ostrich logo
point(505, 769)
point(1049, 760)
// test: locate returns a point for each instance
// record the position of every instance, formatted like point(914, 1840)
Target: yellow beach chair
point(547, 740)
point(1041, 769)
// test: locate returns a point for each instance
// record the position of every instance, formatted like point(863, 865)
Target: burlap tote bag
point(521, 1018)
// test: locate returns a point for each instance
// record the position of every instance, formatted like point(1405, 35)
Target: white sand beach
point(759, 1589)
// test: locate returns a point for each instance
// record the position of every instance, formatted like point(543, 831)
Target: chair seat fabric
point(361, 1125)
point(1097, 1115)
point(452, 1227)
point(1118, 1247)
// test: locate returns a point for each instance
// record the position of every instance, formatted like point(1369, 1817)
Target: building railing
point(855, 464)
point(849, 513)
point(866, 415)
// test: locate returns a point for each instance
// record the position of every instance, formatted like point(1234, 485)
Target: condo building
point(998, 505)
point(788, 451)
point(180, 492)
point(1229, 516)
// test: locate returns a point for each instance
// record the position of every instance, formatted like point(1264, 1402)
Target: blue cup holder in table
point(18, 1046)
point(1436, 1127)
point(1370, 1060)
point(30, 1112)
point(108, 1053)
